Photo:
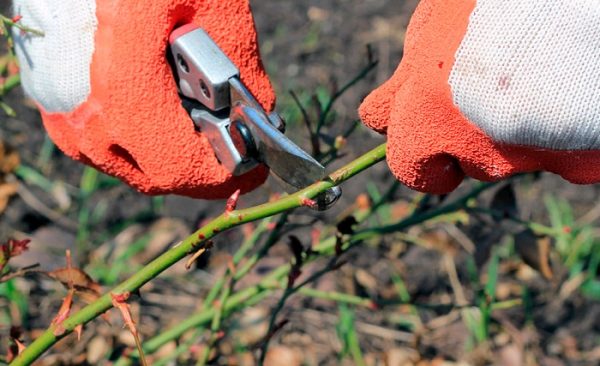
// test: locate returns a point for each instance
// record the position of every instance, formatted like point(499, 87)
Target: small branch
point(424, 216)
point(20, 272)
point(230, 274)
point(15, 22)
point(9, 84)
point(361, 75)
point(276, 280)
point(333, 264)
point(195, 242)
point(314, 137)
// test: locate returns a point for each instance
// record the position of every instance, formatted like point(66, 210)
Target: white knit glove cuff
point(55, 68)
point(528, 72)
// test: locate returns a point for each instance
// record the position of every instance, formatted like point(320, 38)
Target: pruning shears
point(240, 131)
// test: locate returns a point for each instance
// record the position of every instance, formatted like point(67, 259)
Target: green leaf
point(347, 334)
point(492, 280)
point(591, 289)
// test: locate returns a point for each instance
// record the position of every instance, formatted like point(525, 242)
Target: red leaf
point(18, 247)
point(63, 313)
point(12, 248)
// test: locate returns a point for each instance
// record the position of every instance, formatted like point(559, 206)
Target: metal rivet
point(183, 63)
point(242, 140)
point(204, 89)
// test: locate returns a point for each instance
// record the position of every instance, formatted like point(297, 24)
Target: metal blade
point(288, 161)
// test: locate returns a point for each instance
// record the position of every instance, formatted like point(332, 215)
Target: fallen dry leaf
point(366, 282)
point(283, 356)
point(9, 159)
point(401, 357)
point(7, 190)
point(97, 348)
point(535, 252)
point(80, 280)
point(510, 355)
point(252, 326)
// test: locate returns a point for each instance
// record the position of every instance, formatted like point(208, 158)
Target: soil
point(307, 46)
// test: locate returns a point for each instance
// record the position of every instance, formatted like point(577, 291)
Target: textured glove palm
point(490, 88)
point(106, 92)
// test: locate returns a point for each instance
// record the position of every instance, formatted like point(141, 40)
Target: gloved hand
point(108, 97)
point(491, 88)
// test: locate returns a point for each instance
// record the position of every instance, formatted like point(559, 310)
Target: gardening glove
point(107, 94)
point(491, 88)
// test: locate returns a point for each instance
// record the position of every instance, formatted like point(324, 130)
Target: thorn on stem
point(274, 197)
point(16, 346)
point(119, 301)
point(197, 254)
point(232, 201)
point(78, 330)
point(307, 202)
point(63, 313)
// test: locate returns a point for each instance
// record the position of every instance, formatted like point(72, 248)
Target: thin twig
point(8, 22)
point(193, 243)
point(277, 278)
point(20, 272)
point(361, 75)
point(32, 201)
point(313, 136)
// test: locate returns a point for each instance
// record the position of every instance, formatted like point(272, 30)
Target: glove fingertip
point(375, 111)
point(438, 173)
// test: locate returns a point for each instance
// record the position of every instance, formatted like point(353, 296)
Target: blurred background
point(425, 287)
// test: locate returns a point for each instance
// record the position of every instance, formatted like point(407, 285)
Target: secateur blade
point(240, 131)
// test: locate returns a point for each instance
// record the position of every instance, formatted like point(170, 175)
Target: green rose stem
point(249, 296)
point(194, 243)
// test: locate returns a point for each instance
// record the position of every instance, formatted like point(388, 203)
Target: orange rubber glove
point(108, 97)
point(491, 88)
